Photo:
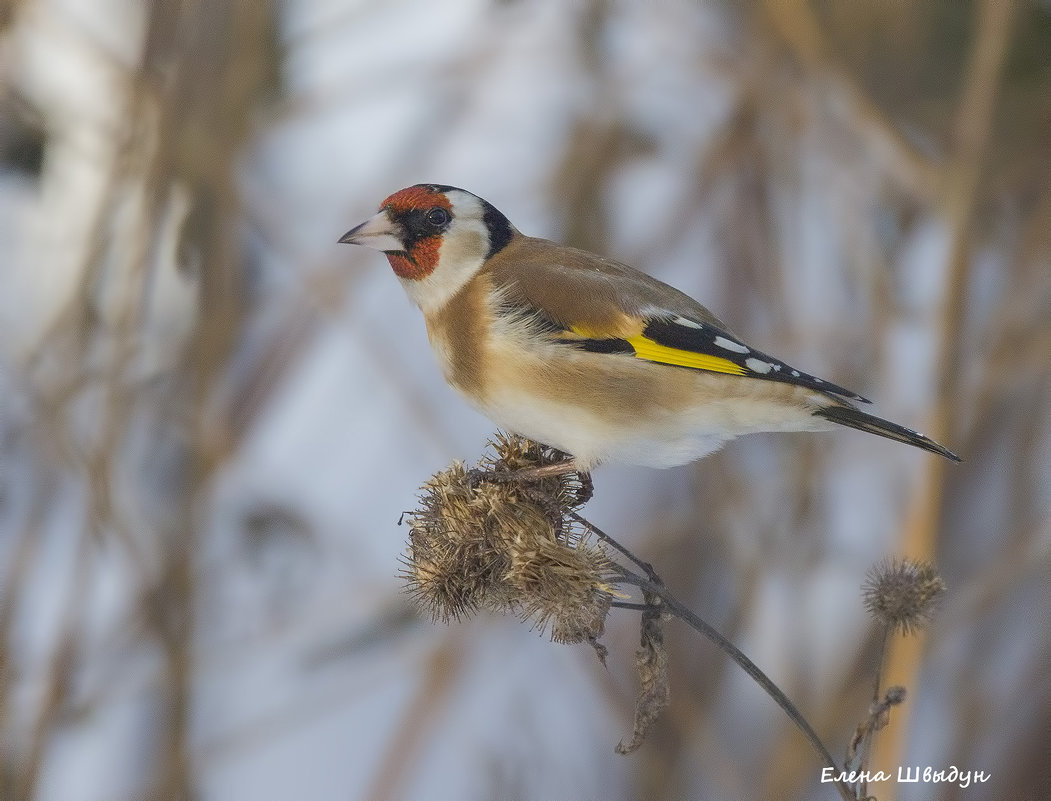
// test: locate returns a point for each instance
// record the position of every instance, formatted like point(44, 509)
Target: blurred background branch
point(958, 200)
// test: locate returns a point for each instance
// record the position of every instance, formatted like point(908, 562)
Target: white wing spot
point(727, 344)
point(777, 367)
point(686, 322)
point(817, 380)
point(757, 366)
point(795, 374)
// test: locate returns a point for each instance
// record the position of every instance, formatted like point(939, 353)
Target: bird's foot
point(525, 476)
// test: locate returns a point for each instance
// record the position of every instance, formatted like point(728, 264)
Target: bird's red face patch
point(424, 213)
point(421, 196)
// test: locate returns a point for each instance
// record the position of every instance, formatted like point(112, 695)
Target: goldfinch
point(585, 354)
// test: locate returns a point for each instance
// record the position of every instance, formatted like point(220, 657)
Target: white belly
point(666, 441)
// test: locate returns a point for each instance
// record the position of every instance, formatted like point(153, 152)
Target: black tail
point(854, 418)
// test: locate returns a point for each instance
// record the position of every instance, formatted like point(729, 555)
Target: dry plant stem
point(959, 201)
point(646, 567)
point(677, 608)
point(799, 26)
point(866, 754)
point(879, 664)
point(419, 720)
point(653, 584)
point(58, 679)
point(630, 606)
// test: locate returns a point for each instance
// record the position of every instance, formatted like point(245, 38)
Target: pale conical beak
point(378, 233)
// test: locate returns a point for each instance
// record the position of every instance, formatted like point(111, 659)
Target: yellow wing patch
point(651, 351)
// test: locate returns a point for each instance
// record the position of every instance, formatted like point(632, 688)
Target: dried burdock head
point(476, 542)
point(902, 594)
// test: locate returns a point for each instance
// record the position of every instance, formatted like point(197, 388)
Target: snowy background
point(212, 415)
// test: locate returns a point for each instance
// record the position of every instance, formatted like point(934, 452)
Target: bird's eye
point(437, 217)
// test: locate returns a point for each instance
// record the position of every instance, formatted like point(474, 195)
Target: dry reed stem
point(164, 560)
point(58, 675)
point(420, 720)
point(796, 23)
point(957, 203)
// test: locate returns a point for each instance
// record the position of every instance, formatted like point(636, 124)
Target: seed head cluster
point(902, 594)
point(508, 546)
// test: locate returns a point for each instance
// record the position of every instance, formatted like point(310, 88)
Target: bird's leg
point(568, 465)
point(530, 475)
point(522, 475)
point(586, 490)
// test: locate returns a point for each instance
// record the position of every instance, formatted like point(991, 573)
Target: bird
point(585, 354)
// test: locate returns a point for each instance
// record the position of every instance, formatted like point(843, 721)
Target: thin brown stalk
point(651, 583)
point(797, 25)
point(411, 736)
point(958, 199)
point(58, 675)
